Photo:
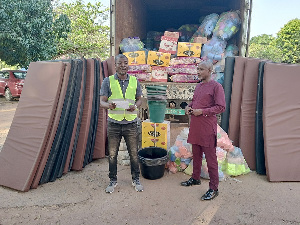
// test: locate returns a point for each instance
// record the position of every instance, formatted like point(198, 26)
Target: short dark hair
point(119, 57)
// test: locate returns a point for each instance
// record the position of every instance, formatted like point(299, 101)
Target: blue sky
point(268, 16)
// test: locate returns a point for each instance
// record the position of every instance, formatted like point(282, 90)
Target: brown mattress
point(105, 69)
point(248, 107)
point(111, 69)
point(86, 117)
point(99, 149)
point(47, 149)
point(236, 99)
point(31, 125)
point(281, 121)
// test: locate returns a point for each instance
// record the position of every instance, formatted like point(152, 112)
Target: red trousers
point(212, 164)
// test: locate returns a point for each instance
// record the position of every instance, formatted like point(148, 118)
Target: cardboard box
point(156, 134)
point(168, 45)
point(159, 74)
point(136, 58)
point(189, 49)
point(158, 58)
point(172, 34)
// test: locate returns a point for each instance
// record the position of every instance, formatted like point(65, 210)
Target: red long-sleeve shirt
point(210, 98)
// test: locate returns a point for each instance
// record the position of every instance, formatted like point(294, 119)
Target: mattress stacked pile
point(58, 125)
point(261, 115)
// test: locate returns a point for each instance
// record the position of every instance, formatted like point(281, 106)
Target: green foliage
point(283, 48)
point(27, 32)
point(288, 40)
point(89, 36)
point(263, 47)
point(3, 65)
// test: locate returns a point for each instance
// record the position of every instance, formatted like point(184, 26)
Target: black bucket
point(153, 161)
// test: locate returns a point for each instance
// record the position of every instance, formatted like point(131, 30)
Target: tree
point(26, 31)
point(288, 41)
point(264, 47)
point(89, 36)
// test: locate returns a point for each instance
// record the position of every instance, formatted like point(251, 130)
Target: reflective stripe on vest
point(118, 113)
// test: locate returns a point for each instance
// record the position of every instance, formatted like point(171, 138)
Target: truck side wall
point(129, 20)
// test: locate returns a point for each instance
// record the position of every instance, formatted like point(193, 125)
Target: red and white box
point(168, 45)
point(159, 74)
point(171, 34)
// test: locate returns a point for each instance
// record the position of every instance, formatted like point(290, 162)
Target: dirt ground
point(79, 197)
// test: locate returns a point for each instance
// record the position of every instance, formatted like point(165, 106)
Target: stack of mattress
point(261, 115)
point(58, 124)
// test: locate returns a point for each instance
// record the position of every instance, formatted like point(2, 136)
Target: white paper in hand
point(122, 104)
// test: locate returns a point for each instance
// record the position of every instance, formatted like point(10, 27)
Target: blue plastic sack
point(227, 25)
point(207, 26)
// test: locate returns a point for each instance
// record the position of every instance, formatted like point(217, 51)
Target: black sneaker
point(190, 182)
point(210, 194)
point(111, 186)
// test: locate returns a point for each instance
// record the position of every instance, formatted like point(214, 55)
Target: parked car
point(11, 83)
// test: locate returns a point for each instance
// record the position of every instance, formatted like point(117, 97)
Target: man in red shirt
point(208, 100)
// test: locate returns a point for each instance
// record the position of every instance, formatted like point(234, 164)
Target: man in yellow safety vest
point(121, 95)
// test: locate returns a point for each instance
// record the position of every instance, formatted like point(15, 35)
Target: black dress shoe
point(191, 182)
point(210, 194)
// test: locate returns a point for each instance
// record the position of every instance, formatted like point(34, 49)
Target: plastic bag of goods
point(235, 163)
point(207, 26)
point(180, 154)
point(176, 163)
point(223, 140)
point(213, 50)
point(227, 25)
point(131, 44)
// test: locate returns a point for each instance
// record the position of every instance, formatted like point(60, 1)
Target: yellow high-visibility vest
point(119, 113)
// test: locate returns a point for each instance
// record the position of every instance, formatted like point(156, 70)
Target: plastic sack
point(189, 169)
point(131, 44)
point(204, 171)
point(213, 50)
point(227, 25)
point(223, 140)
point(235, 163)
point(207, 26)
point(180, 154)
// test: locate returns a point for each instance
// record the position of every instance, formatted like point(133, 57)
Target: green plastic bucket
point(157, 110)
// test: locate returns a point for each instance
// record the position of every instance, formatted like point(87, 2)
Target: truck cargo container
point(135, 18)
